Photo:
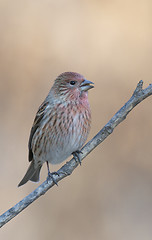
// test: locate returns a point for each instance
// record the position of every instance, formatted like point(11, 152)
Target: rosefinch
point(61, 125)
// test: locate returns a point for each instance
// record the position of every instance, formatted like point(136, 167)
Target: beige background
point(110, 43)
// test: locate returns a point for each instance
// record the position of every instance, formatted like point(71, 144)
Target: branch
point(138, 96)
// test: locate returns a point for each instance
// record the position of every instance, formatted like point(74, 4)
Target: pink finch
point(61, 125)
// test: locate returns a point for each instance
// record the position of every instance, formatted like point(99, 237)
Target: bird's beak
point(86, 85)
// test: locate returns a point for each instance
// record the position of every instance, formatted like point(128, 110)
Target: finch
point(61, 125)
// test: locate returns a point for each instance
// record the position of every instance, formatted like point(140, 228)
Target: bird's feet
point(50, 175)
point(76, 156)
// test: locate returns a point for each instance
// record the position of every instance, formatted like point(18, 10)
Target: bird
point(61, 125)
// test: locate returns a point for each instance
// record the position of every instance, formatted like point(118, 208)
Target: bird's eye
point(72, 82)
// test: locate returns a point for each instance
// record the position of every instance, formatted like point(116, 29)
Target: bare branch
point(139, 95)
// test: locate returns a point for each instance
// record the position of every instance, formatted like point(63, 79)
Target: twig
point(139, 95)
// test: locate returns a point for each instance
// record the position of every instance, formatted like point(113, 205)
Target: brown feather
point(36, 124)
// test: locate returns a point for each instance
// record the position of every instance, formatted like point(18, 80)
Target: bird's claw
point(50, 175)
point(76, 156)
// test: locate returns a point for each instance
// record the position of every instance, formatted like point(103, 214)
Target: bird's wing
point(37, 121)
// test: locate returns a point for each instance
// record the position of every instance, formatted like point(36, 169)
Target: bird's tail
point(32, 174)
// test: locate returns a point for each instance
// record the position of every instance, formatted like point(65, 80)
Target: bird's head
point(71, 86)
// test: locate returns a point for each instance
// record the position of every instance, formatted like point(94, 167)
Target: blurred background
point(110, 43)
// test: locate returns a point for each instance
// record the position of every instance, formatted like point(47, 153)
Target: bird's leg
point(50, 175)
point(76, 156)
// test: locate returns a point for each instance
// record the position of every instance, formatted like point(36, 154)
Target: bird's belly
point(60, 149)
point(56, 155)
point(59, 146)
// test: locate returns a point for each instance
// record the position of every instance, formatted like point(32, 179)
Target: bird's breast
point(63, 134)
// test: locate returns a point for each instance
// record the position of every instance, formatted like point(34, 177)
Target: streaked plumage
point(61, 125)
